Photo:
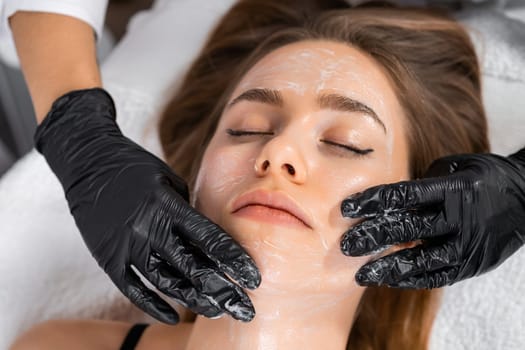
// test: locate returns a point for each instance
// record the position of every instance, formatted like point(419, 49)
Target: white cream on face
point(301, 72)
point(303, 270)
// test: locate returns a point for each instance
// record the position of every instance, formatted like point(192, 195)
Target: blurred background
point(17, 121)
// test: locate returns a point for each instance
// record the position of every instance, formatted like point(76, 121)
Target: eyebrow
point(272, 97)
point(346, 104)
point(328, 101)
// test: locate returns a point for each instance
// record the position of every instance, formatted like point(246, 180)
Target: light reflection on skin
point(305, 277)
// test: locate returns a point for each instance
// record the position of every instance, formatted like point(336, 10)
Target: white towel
point(485, 312)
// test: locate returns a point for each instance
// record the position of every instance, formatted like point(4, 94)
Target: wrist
point(43, 93)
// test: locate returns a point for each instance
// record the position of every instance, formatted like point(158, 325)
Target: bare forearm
point(57, 54)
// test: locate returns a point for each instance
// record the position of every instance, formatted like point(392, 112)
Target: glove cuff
point(73, 107)
point(79, 127)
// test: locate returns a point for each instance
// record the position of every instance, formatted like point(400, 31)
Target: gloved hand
point(132, 210)
point(468, 211)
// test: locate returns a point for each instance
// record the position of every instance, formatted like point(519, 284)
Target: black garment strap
point(133, 336)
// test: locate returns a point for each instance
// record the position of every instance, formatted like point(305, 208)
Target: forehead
point(310, 67)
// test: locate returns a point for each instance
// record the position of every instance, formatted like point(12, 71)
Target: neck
point(304, 320)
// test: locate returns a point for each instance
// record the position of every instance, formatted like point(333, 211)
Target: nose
point(280, 158)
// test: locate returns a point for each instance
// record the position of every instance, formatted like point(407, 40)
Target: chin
point(292, 259)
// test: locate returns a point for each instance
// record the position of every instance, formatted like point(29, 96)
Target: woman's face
point(308, 125)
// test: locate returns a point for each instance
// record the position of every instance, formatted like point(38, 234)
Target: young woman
point(286, 112)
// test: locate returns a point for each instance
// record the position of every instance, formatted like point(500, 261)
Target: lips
point(271, 199)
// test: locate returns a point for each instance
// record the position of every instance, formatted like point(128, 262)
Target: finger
point(382, 231)
point(204, 277)
point(166, 279)
point(430, 280)
point(384, 199)
point(220, 248)
point(404, 264)
point(147, 300)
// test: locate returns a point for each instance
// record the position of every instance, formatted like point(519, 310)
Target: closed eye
point(359, 151)
point(233, 132)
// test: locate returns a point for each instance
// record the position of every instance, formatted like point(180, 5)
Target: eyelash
point(358, 151)
point(233, 132)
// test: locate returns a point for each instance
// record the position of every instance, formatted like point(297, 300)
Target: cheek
point(348, 179)
point(221, 172)
point(352, 177)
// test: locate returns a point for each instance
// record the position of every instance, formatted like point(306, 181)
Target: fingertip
point(244, 271)
point(348, 245)
point(364, 204)
point(253, 283)
point(372, 273)
point(363, 280)
point(345, 246)
point(247, 319)
point(169, 318)
point(147, 300)
point(354, 243)
point(350, 207)
point(240, 309)
point(238, 305)
point(244, 313)
point(160, 310)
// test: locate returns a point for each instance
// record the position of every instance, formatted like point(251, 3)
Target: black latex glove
point(469, 212)
point(132, 210)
